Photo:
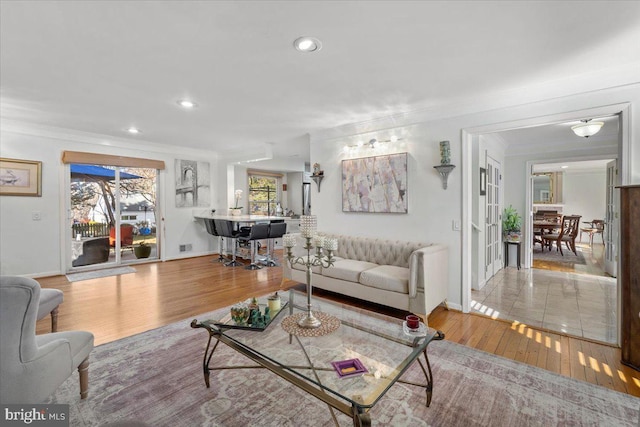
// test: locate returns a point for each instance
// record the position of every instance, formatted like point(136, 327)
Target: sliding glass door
point(112, 215)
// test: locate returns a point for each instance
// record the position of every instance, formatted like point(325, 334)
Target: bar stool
point(211, 229)
point(225, 229)
point(276, 231)
point(258, 232)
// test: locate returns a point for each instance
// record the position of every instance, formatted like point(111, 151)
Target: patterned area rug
point(96, 274)
point(156, 378)
point(568, 257)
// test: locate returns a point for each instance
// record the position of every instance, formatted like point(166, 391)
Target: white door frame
point(624, 165)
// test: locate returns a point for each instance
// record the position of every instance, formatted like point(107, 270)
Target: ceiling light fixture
point(587, 128)
point(307, 44)
point(134, 130)
point(185, 103)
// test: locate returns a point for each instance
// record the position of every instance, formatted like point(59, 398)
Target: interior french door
point(611, 221)
point(493, 228)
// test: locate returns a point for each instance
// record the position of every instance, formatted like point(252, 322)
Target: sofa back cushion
point(390, 252)
point(377, 251)
point(350, 247)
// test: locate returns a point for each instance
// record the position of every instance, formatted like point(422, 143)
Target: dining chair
point(595, 227)
point(568, 233)
point(34, 366)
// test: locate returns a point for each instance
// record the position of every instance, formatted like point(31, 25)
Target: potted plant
point(236, 210)
point(511, 223)
point(142, 250)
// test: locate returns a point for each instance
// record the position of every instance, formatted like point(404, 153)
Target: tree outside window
point(263, 195)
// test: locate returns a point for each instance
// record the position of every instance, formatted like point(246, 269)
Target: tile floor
point(576, 304)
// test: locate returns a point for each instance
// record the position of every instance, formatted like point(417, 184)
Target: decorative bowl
point(240, 313)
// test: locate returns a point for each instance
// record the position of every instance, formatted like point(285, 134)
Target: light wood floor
point(162, 293)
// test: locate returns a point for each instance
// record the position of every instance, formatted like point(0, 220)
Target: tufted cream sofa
point(405, 275)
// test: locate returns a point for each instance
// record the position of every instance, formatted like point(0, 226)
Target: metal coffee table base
point(358, 413)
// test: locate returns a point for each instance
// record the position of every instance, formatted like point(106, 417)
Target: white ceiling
point(102, 66)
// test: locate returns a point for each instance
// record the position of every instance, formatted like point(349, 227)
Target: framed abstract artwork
point(20, 178)
point(375, 184)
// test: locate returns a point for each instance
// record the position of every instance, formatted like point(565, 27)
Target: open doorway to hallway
point(570, 292)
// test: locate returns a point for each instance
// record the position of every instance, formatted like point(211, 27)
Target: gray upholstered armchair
point(34, 366)
point(50, 299)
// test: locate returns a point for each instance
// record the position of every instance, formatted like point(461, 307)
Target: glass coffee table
point(350, 368)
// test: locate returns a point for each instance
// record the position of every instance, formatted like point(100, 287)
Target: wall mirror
point(547, 187)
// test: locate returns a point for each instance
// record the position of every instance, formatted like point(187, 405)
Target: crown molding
point(76, 136)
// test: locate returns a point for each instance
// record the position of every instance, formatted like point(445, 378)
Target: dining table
point(546, 227)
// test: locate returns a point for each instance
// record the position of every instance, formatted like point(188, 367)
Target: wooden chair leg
point(54, 320)
point(83, 370)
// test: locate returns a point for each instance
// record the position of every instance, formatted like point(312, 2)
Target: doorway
point(511, 289)
point(112, 215)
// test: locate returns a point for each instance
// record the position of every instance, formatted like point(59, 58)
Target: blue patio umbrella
point(98, 172)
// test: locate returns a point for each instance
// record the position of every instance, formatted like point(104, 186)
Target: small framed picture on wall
point(483, 181)
point(20, 178)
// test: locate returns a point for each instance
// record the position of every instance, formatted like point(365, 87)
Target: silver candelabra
point(321, 244)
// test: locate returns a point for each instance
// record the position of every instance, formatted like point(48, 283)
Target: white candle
point(331, 243)
point(308, 224)
point(274, 304)
point(289, 240)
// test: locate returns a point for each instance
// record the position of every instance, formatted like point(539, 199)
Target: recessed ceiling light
point(186, 103)
point(134, 130)
point(307, 44)
point(564, 166)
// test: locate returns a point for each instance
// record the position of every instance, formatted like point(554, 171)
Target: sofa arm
point(429, 274)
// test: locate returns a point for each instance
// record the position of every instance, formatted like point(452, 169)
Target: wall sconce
point(372, 143)
point(318, 175)
point(445, 167)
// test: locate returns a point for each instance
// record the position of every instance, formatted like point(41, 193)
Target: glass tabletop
point(365, 341)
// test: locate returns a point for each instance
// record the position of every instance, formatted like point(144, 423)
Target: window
point(263, 194)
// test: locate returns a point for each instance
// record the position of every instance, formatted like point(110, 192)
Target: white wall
point(585, 194)
point(432, 209)
point(36, 248)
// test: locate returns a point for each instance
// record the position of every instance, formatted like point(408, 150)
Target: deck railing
point(93, 229)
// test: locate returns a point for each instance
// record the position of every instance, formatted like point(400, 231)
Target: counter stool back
point(211, 229)
point(258, 232)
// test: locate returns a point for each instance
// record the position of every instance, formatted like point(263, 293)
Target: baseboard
point(479, 286)
point(43, 274)
point(454, 306)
